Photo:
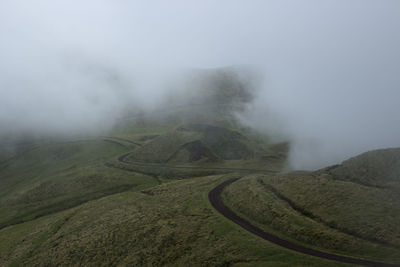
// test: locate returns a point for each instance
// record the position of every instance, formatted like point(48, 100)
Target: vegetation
point(171, 224)
point(139, 195)
point(54, 177)
point(380, 168)
point(321, 211)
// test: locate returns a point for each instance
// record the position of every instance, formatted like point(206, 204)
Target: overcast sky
point(331, 68)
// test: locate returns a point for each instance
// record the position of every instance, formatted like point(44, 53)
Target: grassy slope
point(84, 219)
point(140, 132)
point(232, 148)
point(379, 168)
point(343, 217)
point(58, 176)
point(163, 146)
point(66, 210)
point(369, 212)
point(171, 224)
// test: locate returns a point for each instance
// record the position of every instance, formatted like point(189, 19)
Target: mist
point(331, 69)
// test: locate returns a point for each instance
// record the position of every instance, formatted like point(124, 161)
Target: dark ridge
point(197, 150)
point(122, 157)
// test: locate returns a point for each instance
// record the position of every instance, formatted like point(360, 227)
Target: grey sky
point(332, 68)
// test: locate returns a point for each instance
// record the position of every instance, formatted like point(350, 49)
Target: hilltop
point(138, 194)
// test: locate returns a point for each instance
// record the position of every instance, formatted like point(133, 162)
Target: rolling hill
point(139, 194)
point(351, 208)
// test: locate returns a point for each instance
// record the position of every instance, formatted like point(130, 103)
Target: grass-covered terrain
point(74, 203)
point(321, 211)
point(171, 224)
point(137, 195)
point(208, 145)
point(54, 177)
point(380, 168)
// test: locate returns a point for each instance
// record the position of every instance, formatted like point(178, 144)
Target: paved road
point(216, 201)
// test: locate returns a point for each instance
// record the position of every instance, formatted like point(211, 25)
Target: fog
point(331, 69)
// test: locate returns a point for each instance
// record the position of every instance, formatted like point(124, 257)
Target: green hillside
point(199, 141)
point(169, 225)
point(54, 177)
point(380, 168)
point(138, 195)
point(335, 209)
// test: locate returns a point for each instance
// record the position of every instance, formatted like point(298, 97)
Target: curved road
point(216, 201)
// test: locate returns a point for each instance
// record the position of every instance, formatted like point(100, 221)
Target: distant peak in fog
point(328, 71)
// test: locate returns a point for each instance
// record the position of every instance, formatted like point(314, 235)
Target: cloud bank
point(331, 68)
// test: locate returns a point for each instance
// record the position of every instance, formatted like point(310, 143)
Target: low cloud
point(331, 68)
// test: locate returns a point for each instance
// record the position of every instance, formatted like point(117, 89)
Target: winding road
point(216, 201)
